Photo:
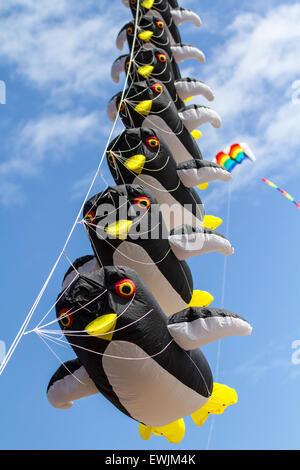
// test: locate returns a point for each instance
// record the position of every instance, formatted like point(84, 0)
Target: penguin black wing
point(196, 326)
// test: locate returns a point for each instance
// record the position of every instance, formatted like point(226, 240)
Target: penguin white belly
point(178, 150)
point(151, 394)
point(136, 258)
point(174, 214)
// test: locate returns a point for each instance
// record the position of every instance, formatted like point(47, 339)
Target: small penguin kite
point(148, 366)
point(153, 33)
point(126, 228)
point(141, 156)
point(148, 104)
point(171, 17)
point(155, 63)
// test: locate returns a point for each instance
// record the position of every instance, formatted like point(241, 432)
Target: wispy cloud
point(63, 46)
point(252, 76)
point(272, 357)
point(66, 49)
point(63, 50)
point(49, 135)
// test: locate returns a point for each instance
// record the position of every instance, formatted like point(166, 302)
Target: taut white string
point(41, 293)
point(222, 306)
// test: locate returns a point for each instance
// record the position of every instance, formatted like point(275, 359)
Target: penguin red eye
point(111, 159)
point(127, 63)
point(152, 142)
point(157, 88)
point(162, 58)
point(90, 217)
point(132, 2)
point(121, 106)
point(130, 30)
point(160, 24)
point(125, 288)
point(65, 317)
point(142, 202)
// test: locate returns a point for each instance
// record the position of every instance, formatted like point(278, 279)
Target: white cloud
point(55, 132)
point(275, 357)
point(10, 193)
point(65, 48)
point(62, 46)
point(53, 136)
point(252, 76)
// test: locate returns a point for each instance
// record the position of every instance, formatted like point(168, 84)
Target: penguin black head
point(148, 63)
point(125, 212)
point(150, 101)
point(83, 265)
point(142, 156)
point(151, 31)
point(141, 100)
point(139, 151)
point(157, 7)
point(110, 303)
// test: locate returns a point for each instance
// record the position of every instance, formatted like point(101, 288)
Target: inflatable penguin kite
point(171, 17)
point(155, 63)
point(141, 156)
point(148, 366)
point(126, 228)
point(152, 32)
point(148, 104)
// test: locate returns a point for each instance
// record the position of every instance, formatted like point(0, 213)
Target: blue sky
point(55, 61)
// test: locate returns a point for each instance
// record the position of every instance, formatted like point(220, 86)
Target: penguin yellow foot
point(203, 186)
point(196, 134)
point(200, 298)
point(212, 222)
point(221, 397)
point(173, 432)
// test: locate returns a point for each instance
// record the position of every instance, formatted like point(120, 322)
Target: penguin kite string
point(31, 312)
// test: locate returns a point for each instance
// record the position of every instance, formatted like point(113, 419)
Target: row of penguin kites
point(130, 311)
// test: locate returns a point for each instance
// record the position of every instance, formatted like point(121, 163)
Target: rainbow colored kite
point(287, 195)
point(234, 155)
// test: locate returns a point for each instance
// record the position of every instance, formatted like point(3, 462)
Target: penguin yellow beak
point(148, 4)
point(136, 163)
point(103, 327)
point(146, 35)
point(119, 229)
point(145, 71)
point(144, 107)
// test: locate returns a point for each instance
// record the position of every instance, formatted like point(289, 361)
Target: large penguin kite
point(148, 366)
point(148, 104)
point(141, 156)
point(125, 227)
